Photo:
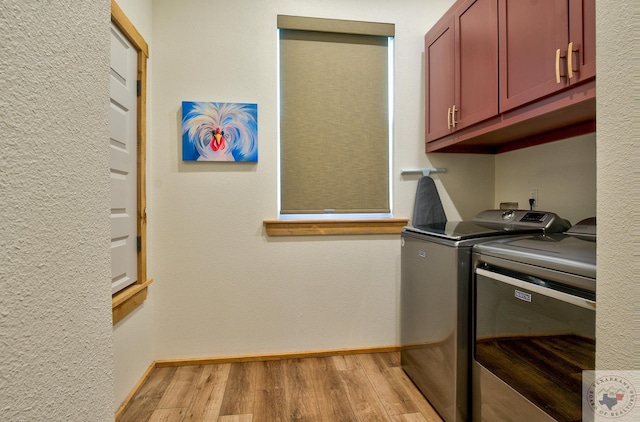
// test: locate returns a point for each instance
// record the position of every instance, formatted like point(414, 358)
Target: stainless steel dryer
point(435, 318)
point(534, 325)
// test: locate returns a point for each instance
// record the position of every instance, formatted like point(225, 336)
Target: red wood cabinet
point(439, 77)
point(582, 33)
point(535, 43)
point(461, 61)
point(491, 80)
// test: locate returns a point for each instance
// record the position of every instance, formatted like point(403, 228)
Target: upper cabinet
point(506, 74)
point(582, 39)
point(461, 58)
point(545, 46)
point(439, 63)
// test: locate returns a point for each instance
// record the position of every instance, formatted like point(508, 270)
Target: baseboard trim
point(134, 391)
point(279, 356)
point(247, 358)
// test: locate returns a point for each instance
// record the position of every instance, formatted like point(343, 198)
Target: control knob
point(508, 215)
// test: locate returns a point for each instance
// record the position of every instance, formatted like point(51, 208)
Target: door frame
point(134, 295)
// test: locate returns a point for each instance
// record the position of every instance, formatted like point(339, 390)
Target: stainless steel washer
point(436, 275)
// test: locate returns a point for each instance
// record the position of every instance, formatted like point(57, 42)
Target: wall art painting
point(219, 131)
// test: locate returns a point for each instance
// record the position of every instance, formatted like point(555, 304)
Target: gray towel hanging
point(428, 207)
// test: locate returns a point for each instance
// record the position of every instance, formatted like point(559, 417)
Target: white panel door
point(124, 67)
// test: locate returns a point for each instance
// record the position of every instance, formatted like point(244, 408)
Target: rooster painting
point(219, 131)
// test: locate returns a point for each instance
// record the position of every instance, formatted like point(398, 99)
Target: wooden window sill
point(334, 227)
point(125, 301)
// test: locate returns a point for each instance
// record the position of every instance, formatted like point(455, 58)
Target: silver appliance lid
point(557, 252)
point(495, 223)
point(465, 230)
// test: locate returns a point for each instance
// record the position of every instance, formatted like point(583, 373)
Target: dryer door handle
point(555, 294)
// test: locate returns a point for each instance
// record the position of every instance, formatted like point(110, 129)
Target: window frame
point(335, 227)
point(129, 298)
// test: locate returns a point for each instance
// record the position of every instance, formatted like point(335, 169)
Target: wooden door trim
point(126, 27)
point(131, 297)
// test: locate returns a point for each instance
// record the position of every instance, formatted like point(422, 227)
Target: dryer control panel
point(522, 219)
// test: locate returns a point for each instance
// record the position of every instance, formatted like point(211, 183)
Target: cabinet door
point(530, 34)
point(476, 62)
point(582, 27)
point(439, 78)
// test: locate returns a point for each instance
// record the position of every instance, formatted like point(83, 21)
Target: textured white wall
point(617, 317)
point(132, 336)
point(55, 301)
point(564, 173)
point(222, 287)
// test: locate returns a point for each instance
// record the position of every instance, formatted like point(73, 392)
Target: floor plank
point(362, 396)
point(301, 397)
point(179, 393)
point(270, 399)
point(413, 417)
point(332, 400)
point(239, 396)
point(168, 415)
point(208, 394)
point(236, 418)
point(377, 362)
point(345, 362)
point(347, 388)
point(147, 398)
point(392, 395)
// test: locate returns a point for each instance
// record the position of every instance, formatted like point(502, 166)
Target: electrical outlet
point(533, 194)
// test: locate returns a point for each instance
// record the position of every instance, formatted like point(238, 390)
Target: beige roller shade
point(334, 124)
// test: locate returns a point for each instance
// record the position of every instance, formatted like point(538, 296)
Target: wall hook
point(424, 172)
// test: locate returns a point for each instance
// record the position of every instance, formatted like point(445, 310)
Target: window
point(128, 298)
point(335, 118)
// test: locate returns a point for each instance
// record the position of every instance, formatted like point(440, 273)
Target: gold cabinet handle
point(570, 68)
point(453, 116)
point(449, 118)
point(558, 66)
point(558, 57)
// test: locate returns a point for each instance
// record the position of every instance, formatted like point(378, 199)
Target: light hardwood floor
point(363, 387)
